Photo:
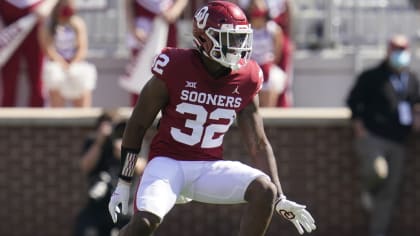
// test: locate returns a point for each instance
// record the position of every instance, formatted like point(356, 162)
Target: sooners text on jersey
point(201, 108)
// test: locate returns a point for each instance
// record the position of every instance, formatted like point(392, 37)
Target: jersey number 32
point(205, 135)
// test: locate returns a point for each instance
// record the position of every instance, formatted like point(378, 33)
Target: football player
point(200, 92)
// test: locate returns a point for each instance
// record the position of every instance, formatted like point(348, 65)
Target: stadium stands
point(351, 34)
point(342, 22)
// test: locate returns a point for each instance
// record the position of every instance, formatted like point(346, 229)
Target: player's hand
point(295, 213)
point(120, 196)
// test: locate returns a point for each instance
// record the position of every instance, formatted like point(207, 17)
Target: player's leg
point(260, 196)
point(230, 182)
point(141, 224)
point(158, 191)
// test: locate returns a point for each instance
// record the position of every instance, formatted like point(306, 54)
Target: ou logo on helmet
point(201, 17)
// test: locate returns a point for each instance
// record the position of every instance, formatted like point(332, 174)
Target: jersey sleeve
point(163, 64)
point(257, 78)
point(255, 81)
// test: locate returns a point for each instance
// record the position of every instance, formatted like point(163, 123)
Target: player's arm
point(152, 99)
point(251, 125)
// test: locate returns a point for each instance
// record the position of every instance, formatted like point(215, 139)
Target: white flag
point(141, 73)
point(13, 35)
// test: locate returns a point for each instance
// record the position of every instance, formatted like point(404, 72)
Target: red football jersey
point(201, 108)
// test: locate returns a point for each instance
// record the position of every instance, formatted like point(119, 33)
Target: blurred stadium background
point(41, 187)
point(335, 39)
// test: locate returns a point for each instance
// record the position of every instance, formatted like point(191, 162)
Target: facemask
point(66, 11)
point(233, 60)
point(400, 59)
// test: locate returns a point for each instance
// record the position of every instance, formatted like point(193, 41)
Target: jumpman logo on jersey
point(236, 91)
point(191, 84)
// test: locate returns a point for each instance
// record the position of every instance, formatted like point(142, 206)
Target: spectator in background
point(29, 51)
point(266, 52)
point(67, 75)
point(280, 11)
point(382, 102)
point(100, 163)
point(140, 15)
